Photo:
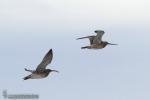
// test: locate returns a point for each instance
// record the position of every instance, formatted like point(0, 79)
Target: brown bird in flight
point(96, 41)
point(41, 71)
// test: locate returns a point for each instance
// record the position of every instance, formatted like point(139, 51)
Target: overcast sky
point(29, 28)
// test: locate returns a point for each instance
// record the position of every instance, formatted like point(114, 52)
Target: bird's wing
point(91, 38)
point(46, 60)
point(84, 37)
point(98, 38)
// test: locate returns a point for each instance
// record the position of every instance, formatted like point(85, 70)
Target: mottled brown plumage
point(41, 71)
point(96, 41)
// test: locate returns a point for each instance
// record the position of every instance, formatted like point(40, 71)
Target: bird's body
point(96, 46)
point(96, 41)
point(38, 74)
point(41, 71)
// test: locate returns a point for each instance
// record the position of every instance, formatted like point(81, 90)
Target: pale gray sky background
point(29, 28)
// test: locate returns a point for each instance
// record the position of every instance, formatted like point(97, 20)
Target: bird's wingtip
point(78, 38)
point(25, 69)
point(51, 50)
point(24, 78)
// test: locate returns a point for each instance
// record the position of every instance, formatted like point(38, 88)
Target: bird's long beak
point(112, 44)
point(55, 71)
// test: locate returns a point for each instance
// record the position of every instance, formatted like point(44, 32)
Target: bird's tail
point(86, 47)
point(27, 77)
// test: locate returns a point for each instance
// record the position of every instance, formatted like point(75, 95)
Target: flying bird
point(96, 41)
point(41, 71)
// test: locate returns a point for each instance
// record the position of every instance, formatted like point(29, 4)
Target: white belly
point(35, 76)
